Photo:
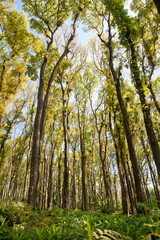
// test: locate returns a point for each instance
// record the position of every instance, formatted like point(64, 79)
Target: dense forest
point(79, 126)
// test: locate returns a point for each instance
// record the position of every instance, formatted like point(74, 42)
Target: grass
point(19, 222)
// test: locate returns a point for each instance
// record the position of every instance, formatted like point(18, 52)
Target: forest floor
point(19, 222)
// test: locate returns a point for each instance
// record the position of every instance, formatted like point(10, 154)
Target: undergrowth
point(19, 222)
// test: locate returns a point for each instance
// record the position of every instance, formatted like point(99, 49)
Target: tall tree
point(46, 19)
point(81, 102)
point(116, 74)
point(128, 36)
point(16, 44)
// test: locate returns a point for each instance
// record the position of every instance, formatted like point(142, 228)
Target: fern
point(108, 235)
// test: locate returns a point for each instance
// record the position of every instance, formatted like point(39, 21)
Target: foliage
point(108, 234)
point(19, 221)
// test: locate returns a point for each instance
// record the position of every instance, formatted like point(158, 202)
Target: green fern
point(108, 235)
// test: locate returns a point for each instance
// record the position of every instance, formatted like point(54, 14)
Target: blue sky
point(82, 36)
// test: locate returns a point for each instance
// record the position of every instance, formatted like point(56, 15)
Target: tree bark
point(102, 153)
point(138, 182)
point(74, 197)
point(157, 4)
point(34, 170)
point(83, 158)
point(59, 182)
point(50, 180)
point(153, 178)
point(145, 108)
point(40, 118)
point(65, 200)
point(122, 181)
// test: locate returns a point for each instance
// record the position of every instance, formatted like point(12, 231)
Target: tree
point(116, 74)
point(81, 99)
point(99, 114)
point(46, 19)
point(128, 36)
point(14, 139)
point(16, 45)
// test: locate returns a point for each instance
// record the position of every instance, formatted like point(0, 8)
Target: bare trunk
point(137, 178)
point(145, 108)
point(84, 190)
point(40, 118)
point(81, 124)
point(59, 182)
point(122, 181)
point(65, 200)
point(153, 178)
point(34, 171)
point(74, 197)
point(50, 181)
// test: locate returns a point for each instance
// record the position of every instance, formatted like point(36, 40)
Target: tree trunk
point(59, 182)
point(74, 197)
point(157, 105)
point(34, 171)
point(65, 200)
point(138, 182)
point(84, 190)
point(102, 148)
point(122, 181)
point(40, 118)
point(145, 108)
point(128, 181)
point(83, 158)
point(157, 4)
point(139, 189)
point(153, 178)
point(50, 181)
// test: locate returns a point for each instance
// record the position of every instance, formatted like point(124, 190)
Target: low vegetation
point(19, 222)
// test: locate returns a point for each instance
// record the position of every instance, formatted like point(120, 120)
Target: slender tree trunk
point(40, 118)
point(110, 202)
point(129, 185)
point(145, 185)
point(137, 178)
point(102, 148)
point(2, 75)
point(74, 197)
point(65, 200)
point(153, 178)
point(10, 188)
point(15, 184)
point(157, 105)
point(59, 182)
point(84, 190)
point(26, 174)
point(50, 181)
point(79, 200)
point(115, 190)
point(34, 171)
point(145, 108)
point(103, 161)
point(44, 180)
point(122, 181)
point(92, 179)
point(50, 178)
point(83, 158)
